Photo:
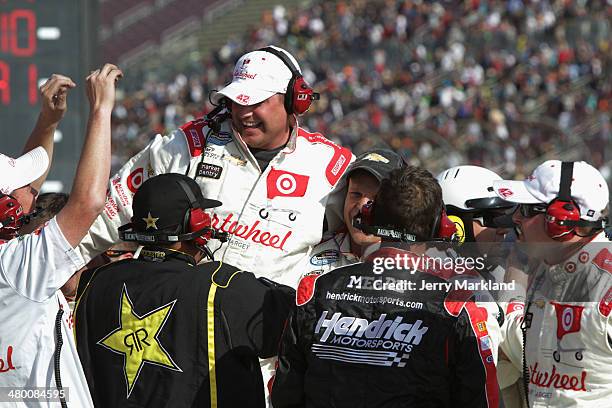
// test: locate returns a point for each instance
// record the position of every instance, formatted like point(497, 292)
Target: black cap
point(378, 162)
point(161, 203)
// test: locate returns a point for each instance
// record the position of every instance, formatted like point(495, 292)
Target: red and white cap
point(16, 173)
point(257, 76)
point(588, 189)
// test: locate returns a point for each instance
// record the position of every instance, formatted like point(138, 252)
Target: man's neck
point(563, 252)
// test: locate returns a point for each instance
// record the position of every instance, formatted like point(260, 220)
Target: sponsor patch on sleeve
point(194, 134)
point(605, 305)
point(340, 160)
point(603, 260)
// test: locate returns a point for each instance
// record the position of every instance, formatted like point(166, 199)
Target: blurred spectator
point(388, 69)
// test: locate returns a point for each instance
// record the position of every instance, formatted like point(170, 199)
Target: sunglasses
point(495, 217)
point(531, 210)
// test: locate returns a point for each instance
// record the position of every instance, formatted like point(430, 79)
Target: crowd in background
point(496, 83)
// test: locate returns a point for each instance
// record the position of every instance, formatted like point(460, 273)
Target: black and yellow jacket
point(145, 329)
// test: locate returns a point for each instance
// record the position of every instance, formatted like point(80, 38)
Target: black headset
point(195, 221)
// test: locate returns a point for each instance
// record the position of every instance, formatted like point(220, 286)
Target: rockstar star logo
point(136, 339)
point(150, 221)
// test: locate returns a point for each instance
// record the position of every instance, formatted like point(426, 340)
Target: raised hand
point(53, 94)
point(101, 87)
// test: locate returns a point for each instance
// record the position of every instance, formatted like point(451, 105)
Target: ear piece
point(562, 208)
point(11, 215)
point(557, 212)
point(299, 95)
point(199, 220)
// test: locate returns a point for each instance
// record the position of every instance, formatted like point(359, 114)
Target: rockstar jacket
point(159, 332)
point(362, 339)
point(569, 342)
point(275, 216)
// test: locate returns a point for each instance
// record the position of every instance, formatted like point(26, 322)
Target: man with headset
point(565, 328)
point(345, 246)
point(162, 330)
point(274, 178)
point(368, 334)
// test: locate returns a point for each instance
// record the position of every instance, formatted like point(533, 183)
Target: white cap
point(588, 189)
point(257, 76)
point(16, 173)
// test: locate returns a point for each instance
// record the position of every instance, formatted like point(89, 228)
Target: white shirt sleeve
point(38, 264)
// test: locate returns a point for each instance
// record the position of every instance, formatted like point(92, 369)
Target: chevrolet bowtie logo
point(376, 157)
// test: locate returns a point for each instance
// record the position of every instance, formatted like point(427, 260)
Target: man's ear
point(26, 196)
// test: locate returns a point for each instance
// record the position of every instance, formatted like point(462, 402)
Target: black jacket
point(141, 330)
point(353, 343)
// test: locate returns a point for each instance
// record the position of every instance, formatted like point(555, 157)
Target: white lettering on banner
point(382, 342)
point(195, 138)
point(409, 333)
point(338, 165)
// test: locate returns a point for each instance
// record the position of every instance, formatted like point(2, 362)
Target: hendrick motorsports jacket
point(274, 217)
point(361, 338)
point(569, 343)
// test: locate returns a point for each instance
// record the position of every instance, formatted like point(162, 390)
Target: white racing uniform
point(569, 352)
point(274, 216)
point(32, 269)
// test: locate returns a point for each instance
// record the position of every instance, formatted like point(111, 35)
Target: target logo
point(515, 306)
point(286, 184)
point(570, 267)
point(568, 318)
point(135, 179)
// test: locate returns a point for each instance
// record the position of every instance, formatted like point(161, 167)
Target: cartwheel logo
point(555, 379)
point(250, 232)
point(382, 342)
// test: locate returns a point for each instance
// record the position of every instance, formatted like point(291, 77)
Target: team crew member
point(348, 344)
point(482, 217)
point(162, 330)
point(568, 331)
point(274, 178)
point(36, 344)
point(345, 246)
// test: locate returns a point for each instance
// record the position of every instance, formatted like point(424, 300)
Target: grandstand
point(500, 84)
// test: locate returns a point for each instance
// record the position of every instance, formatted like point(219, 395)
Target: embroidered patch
point(209, 171)
point(326, 257)
point(220, 139)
